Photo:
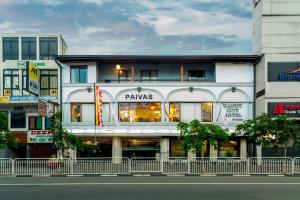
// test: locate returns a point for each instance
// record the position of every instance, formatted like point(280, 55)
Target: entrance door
point(141, 148)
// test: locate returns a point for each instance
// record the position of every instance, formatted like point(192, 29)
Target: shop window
point(196, 75)
point(140, 112)
point(174, 112)
point(18, 118)
point(149, 75)
point(11, 82)
point(206, 112)
point(28, 48)
point(48, 48)
point(79, 74)
point(124, 75)
point(10, 48)
point(49, 82)
point(141, 148)
point(76, 112)
point(229, 149)
point(47, 123)
point(35, 123)
point(176, 148)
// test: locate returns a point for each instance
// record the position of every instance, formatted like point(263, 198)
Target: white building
point(276, 37)
point(20, 106)
point(145, 96)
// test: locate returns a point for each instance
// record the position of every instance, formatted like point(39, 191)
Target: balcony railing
point(156, 80)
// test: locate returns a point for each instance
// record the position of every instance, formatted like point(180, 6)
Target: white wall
point(238, 73)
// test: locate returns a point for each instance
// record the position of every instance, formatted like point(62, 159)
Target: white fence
point(39, 166)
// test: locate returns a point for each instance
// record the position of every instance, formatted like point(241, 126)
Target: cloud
point(135, 26)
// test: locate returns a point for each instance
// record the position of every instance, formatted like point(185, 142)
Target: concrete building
point(20, 106)
point(276, 36)
point(145, 96)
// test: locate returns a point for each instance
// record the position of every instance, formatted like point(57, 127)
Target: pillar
point(259, 154)
point(191, 155)
point(243, 148)
point(181, 72)
point(164, 149)
point(116, 150)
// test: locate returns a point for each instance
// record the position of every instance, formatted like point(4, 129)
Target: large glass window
point(49, 85)
point(174, 112)
point(124, 75)
point(149, 75)
point(10, 48)
point(48, 48)
point(35, 123)
point(229, 149)
point(176, 148)
point(196, 75)
point(11, 82)
point(18, 118)
point(76, 111)
point(206, 112)
point(140, 112)
point(28, 48)
point(79, 74)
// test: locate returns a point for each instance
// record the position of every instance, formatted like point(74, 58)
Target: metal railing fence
point(176, 166)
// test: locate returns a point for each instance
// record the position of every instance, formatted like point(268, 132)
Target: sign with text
point(284, 71)
point(42, 108)
point(39, 136)
point(291, 109)
point(233, 112)
point(33, 78)
point(4, 99)
point(139, 97)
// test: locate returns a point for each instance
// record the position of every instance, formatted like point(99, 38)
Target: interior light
point(118, 67)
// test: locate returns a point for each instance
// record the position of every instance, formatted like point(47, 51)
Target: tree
point(4, 130)
point(196, 135)
point(265, 130)
point(61, 137)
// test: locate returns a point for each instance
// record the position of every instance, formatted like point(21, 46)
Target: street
point(131, 188)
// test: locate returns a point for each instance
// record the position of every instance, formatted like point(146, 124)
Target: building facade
point(276, 36)
point(21, 107)
point(143, 98)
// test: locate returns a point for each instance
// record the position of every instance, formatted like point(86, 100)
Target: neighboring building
point(20, 106)
point(145, 96)
point(276, 36)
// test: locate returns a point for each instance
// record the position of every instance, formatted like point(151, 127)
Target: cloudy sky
point(161, 27)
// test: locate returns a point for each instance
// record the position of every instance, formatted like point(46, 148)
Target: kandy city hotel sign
point(291, 109)
point(284, 72)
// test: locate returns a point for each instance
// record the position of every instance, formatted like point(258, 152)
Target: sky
point(142, 27)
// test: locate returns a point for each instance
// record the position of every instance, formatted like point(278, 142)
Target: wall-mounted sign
point(139, 96)
point(39, 136)
point(4, 99)
point(284, 72)
point(233, 112)
point(42, 108)
point(33, 78)
point(21, 64)
point(291, 109)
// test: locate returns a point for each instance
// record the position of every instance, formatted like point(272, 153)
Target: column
point(213, 151)
point(116, 150)
point(243, 148)
point(191, 155)
point(132, 73)
point(259, 154)
point(181, 72)
point(164, 149)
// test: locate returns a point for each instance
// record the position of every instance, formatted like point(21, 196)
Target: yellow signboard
point(33, 79)
point(4, 99)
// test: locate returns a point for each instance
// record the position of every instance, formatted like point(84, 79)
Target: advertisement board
point(4, 99)
point(233, 112)
point(283, 71)
point(33, 78)
point(291, 109)
point(39, 136)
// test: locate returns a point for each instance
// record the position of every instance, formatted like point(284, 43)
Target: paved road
point(150, 188)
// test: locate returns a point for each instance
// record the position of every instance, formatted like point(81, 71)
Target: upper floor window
point(196, 75)
point(82, 112)
point(78, 74)
point(149, 75)
point(28, 48)
point(24, 83)
point(124, 75)
point(35, 123)
point(206, 112)
point(49, 85)
point(10, 48)
point(48, 48)
point(174, 112)
point(11, 82)
point(18, 118)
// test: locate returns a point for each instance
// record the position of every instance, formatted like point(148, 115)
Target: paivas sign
point(39, 136)
point(291, 109)
point(33, 78)
point(233, 112)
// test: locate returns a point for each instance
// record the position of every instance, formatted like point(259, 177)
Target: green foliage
point(265, 130)
point(5, 135)
point(196, 134)
point(61, 137)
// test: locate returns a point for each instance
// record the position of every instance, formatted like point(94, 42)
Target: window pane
point(174, 112)
point(53, 48)
point(53, 81)
point(206, 112)
point(44, 92)
point(39, 123)
point(196, 75)
point(76, 112)
point(15, 82)
point(47, 123)
point(75, 75)
point(229, 149)
point(44, 82)
point(124, 112)
point(105, 112)
point(83, 75)
point(7, 82)
point(10, 48)
point(18, 119)
point(32, 121)
point(176, 148)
